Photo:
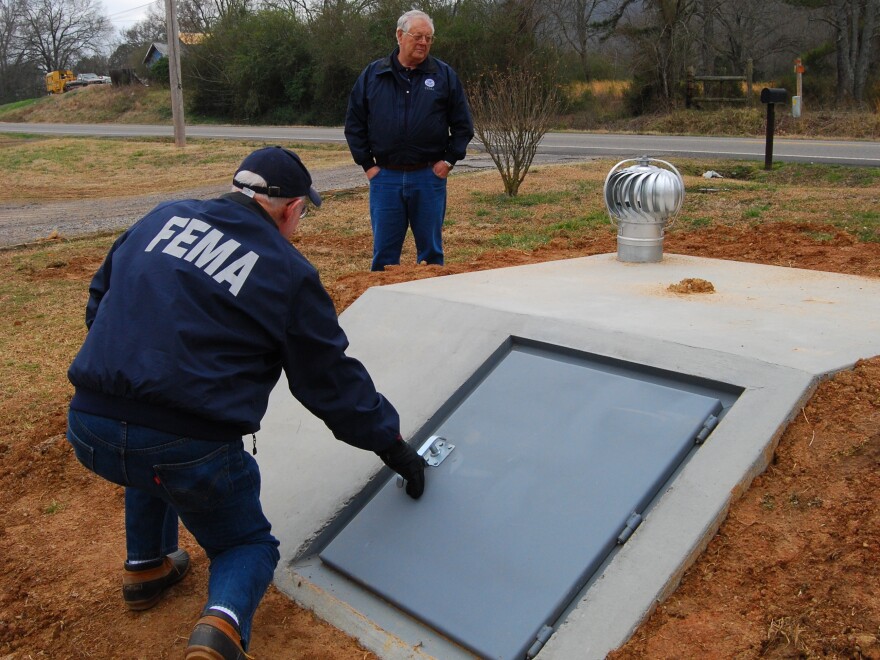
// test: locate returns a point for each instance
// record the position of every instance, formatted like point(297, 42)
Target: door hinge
point(631, 524)
point(541, 638)
point(708, 426)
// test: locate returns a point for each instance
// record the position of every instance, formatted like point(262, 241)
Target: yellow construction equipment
point(57, 82)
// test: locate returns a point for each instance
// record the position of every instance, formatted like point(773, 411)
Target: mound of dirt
point(692, 285)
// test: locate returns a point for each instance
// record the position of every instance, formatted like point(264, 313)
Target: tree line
point(294, 61)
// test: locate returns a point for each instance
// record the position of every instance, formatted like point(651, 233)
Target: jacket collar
point(247, 202)
point(391, 62)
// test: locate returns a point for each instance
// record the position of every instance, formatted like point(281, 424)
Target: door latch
point(434, 450)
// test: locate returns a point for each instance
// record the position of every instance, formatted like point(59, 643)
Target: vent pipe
point(642, 200)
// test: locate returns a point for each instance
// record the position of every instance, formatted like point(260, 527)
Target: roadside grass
point(131, 104)
point(599, 105)
point(6, 108)
point(751, 122)
point(44, 288)
point(43, 168)
point(43, 297)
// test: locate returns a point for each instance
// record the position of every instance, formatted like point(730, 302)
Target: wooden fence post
point(750, 74)
point(690, 86)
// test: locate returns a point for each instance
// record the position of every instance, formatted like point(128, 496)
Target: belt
point(407, 168)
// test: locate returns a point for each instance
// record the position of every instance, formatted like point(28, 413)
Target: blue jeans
point(399, 200)
point(214, 487)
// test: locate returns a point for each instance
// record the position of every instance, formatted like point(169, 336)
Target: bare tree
point(663, 36)
point(754, 29)
point(512, 112)
point(11, 53)
point(58, 32)
point(855, 23)
point(311, 9)
point(147, 30)
point(582, 22)
point(707, 14)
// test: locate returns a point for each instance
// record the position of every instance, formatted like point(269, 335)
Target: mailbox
point(774, 95)
point(771, 96)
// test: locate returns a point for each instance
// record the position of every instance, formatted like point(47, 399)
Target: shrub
point(158, 73)
point(253, 67)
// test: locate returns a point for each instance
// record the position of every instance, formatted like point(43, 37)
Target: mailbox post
point(770, 96)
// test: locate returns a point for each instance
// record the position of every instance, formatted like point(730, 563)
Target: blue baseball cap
point(284, 172)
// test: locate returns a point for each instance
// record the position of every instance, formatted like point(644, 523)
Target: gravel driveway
point(28, 222)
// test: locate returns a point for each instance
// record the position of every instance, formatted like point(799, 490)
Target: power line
point(128, 11)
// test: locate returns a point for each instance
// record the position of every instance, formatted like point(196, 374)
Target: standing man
point(407, 124)
point(192, 317)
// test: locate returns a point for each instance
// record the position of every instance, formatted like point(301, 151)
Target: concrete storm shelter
point(599, 428)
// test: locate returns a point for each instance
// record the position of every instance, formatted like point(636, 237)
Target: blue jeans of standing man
point(214, 487)
point(398, 200)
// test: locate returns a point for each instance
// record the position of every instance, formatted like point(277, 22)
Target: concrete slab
point(772, 331)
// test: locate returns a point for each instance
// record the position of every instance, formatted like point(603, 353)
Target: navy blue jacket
point(392, 122)
point(193, 315)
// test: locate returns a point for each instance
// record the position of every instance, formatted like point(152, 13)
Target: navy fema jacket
point(392, 122)
point(192, 317)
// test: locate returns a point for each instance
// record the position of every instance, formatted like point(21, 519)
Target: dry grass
point(601, 88)
point(601, 105)
point(132, 104)
point(81, 168)
point(740, 121)
point(597, 105)
point(790, 634)
point(43, 296)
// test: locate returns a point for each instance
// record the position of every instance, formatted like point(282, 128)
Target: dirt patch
point(793, 572)
point(692, 285)
point(76, 268)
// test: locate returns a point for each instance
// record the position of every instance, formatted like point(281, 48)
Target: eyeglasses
point(305, 208)
point(419, 38)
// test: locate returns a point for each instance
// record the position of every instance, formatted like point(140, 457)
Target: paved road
point(583, 145)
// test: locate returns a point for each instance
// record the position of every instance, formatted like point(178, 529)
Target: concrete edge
point(674, 535)
point(681, 522)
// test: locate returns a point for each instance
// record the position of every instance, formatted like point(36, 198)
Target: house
point(157, 51)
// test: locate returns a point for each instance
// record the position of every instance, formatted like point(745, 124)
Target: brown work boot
point(143, 584)
point(215, 637)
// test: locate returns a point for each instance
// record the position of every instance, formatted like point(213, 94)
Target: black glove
point(404, 460)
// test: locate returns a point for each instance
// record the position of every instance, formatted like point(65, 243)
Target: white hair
point(249, 178)
point(405, 21)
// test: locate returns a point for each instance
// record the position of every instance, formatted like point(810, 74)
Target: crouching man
point(191, 319)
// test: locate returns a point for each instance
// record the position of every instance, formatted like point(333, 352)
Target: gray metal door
point(552, 458)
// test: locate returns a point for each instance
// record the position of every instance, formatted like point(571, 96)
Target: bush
point(254, 68)
point(159, 73)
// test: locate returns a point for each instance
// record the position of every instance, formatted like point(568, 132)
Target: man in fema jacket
point(192, 317)
point(407, 124)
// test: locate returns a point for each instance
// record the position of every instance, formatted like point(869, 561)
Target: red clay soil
point(793, 572)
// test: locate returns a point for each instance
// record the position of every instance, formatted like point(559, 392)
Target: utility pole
point(173, 33)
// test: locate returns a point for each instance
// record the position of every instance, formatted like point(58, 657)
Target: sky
point(125, 13)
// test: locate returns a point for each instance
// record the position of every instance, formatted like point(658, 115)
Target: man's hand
point(373, 171)
point(404, 460)
point(441, 169)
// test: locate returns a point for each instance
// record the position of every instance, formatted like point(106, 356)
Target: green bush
point(253, 68)
point(158, 73)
